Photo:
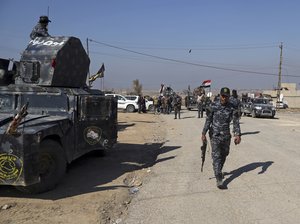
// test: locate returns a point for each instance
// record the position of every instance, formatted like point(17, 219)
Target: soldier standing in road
point(222, 112)
point(177, 105)
point(200, 102)
point(41, 29)
point(141, 104)
point(236, 101)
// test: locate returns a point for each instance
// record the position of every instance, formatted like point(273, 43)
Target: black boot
point(220, 183)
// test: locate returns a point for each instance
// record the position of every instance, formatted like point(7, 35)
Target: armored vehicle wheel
point(52, 167)
point(130, 108)
point(253, 114)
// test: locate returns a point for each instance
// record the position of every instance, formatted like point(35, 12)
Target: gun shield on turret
point(54, 61)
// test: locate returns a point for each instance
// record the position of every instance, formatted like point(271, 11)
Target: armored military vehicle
point(48, 115)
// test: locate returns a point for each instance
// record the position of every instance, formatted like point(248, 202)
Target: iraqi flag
point(206, 83)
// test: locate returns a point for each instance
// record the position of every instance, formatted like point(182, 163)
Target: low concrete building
point(289, 94)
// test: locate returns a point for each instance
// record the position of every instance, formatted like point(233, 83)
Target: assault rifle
point(203, 152)
point(13, 125)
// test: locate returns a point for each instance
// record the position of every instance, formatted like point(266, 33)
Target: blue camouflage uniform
point(39, 31)
point(217, 123)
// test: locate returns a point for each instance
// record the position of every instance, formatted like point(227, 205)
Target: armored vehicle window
point(6, 102)
point(46, 102)
point(94, 108)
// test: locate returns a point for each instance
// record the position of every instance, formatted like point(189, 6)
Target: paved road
point(263, 184)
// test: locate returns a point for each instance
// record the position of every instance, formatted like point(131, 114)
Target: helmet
point(44, 19)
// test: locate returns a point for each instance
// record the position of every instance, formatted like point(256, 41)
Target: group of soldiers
point(219, 113)
point(168, 103)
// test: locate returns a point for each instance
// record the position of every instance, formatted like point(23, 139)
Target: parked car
point(149, 103)
point(129, 105)
point(258, 107)
point(281, 105)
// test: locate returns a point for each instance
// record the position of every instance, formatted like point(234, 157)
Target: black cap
point(225, 91)
point(44, 19)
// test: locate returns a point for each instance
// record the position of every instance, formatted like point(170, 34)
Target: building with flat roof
point(288, 94)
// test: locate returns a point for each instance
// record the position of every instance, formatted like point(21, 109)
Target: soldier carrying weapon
point(221, 113)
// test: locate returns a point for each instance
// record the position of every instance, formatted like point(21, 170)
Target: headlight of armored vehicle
point(258, 108)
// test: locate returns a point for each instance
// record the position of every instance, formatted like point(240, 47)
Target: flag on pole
point(99, 74)
point(206, 83)
point(101, 71)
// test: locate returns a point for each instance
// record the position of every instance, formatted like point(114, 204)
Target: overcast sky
point(234, 43)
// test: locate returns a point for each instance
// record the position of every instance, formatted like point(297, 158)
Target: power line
point(189, 63)
point(204, 47)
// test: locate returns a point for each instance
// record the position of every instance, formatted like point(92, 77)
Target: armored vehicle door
point(97, 123)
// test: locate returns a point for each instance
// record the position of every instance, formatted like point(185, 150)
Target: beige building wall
point(289, 92)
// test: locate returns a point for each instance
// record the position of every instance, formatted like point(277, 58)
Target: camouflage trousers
point(219, 151)
point(200, 110)
point(177, 112)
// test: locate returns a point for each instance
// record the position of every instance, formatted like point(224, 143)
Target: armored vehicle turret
point(48, 116)
point(54, 61)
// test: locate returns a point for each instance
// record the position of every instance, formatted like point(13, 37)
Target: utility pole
point(279, 75)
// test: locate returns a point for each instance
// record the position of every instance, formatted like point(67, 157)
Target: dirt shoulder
point(95, 189)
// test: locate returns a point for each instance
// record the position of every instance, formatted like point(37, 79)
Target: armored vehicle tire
point(130, 108)
point(52, 167)
point(253, 114)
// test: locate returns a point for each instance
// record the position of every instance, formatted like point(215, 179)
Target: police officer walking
point(221, 113)
point(41, 29)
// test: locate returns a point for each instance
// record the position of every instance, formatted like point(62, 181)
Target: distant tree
point(137, 87)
